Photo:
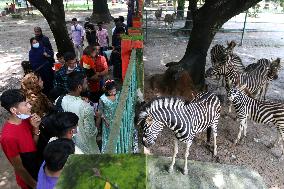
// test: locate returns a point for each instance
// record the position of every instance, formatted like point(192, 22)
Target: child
point(106, 110)
point(60, 63)
point(55, 155)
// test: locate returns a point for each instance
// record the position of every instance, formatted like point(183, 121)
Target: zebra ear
point(142, 116)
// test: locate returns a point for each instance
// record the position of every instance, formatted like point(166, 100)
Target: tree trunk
point(207, 20)
point(100, 11)
point(180, 9)
point(55, 16)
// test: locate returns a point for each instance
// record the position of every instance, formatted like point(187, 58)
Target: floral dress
point(107, 107)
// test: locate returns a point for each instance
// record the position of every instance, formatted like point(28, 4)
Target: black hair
point(38, 28)
point(74, 80)
point(64, 121)
point(11, 98)
point(57, 152)
point(109, 85)
point(119, 30)
point(31, 40)
point(74, 19)
point(116, 20)
point(88, 50)
point(59, 54)
point(121, 18)
point(69, 56)
point(55, 93)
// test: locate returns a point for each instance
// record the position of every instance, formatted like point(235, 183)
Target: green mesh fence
point(122, 128)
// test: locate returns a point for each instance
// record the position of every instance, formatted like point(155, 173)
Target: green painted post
point(244, 28)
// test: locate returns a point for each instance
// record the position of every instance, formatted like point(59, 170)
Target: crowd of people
point(63, 107)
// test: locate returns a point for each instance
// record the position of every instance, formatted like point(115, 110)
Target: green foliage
point(124, 171)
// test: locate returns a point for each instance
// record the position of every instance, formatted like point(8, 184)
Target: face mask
point(23, 116)
point(71, 69)
point(36, 45)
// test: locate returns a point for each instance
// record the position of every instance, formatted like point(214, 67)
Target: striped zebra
point(258, 111)
point(184, 118)
point(219, 55)
point(255, 79)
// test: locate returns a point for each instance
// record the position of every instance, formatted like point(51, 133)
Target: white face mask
point(70, 69)
point(36, 45)
point(23, 116)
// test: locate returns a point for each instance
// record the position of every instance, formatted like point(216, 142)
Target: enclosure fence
point(122, 128)
point(243, 23)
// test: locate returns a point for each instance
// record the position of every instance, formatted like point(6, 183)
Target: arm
point(35, 122)
point(107, 40)
point(105, 71)
point(22, 172)
point(89, 121)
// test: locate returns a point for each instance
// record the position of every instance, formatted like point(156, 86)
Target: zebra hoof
point(185, 172)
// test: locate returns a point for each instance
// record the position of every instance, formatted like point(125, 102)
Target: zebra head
point(151, 128)
point(230, 48)
point(235, 94)
point(274, 69)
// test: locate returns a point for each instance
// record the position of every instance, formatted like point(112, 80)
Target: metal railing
point(122, 128)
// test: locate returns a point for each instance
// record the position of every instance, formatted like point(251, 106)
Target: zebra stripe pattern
point(184, 118)
point(257, 111)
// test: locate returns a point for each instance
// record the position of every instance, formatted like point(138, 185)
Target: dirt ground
point(252, 153)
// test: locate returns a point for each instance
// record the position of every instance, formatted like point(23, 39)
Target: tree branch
point(42, 5)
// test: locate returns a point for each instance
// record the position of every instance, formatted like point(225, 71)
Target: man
point(77, 36)
point(85, 137)
point(55, 155)
point(100, 67)
point(19, 137)
point(102, 36)
point(60, 78)
point(44, 41)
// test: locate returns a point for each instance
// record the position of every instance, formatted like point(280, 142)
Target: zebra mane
point(165, 99)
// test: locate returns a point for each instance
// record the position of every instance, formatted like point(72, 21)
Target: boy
point(55, 155)
point(19, 137)
point(60, 63)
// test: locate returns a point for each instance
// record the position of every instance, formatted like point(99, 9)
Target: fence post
point(244, 28)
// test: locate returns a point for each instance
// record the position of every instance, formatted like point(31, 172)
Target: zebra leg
point(245, 124)
point(185, 170)
point(215, 143)
point(174, 156)
point(240, 131)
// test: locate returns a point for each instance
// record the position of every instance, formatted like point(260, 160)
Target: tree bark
point(100, 11)
point(55, 16)
point(207, 20)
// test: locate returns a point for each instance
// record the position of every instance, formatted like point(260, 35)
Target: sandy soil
point(252, 153)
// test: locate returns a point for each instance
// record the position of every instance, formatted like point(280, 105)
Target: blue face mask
point(36, 45)
point(23, 116)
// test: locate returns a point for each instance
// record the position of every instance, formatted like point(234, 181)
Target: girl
point(106, 110)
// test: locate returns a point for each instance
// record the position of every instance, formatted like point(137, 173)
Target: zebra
point(255, 80)
point(258, 111)
point(219, 54)
point(184, 118)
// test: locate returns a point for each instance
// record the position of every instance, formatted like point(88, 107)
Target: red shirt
point(18, 140)
point(98, 64)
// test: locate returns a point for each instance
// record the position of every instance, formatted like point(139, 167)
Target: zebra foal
point(258, 111)
point(184, 118)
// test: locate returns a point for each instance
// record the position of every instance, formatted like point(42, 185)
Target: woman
point(39, 60)
point(32, 86)
point(106, 110)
